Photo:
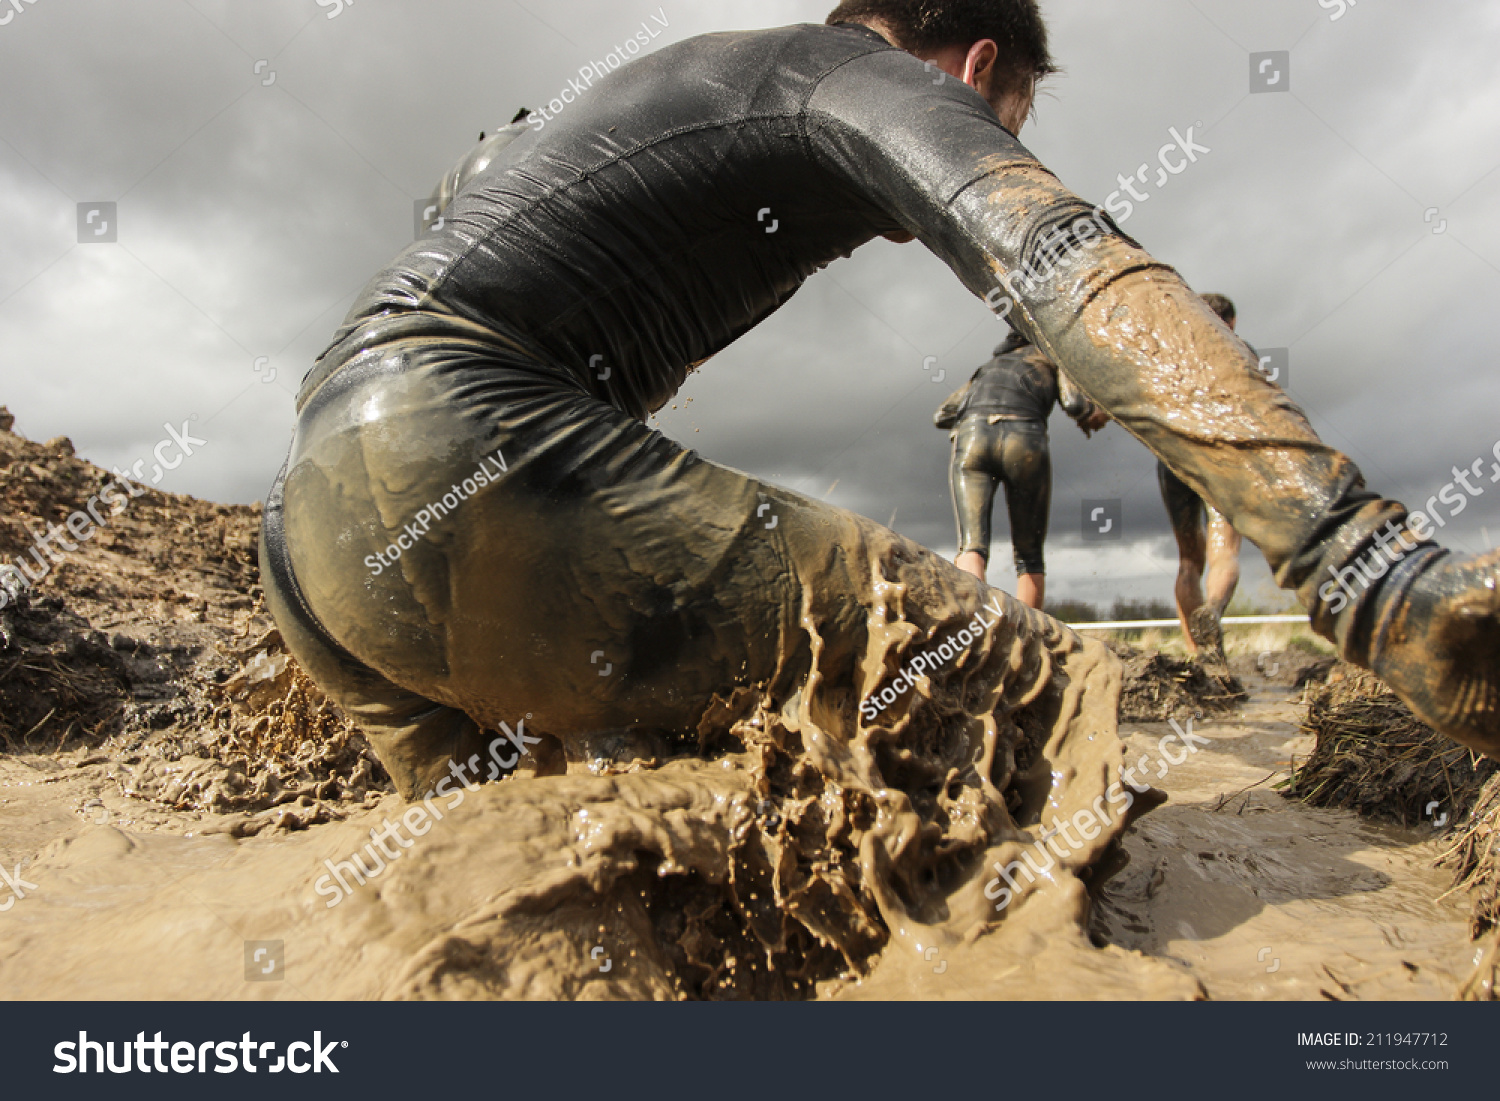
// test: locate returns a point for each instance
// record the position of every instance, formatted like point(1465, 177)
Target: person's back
point(999, 422)
point(676, 205)
point(1017, 385)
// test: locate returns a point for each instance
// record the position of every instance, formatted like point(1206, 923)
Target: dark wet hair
point(1011, 343)
point(1221, 305)
point(1015, 26)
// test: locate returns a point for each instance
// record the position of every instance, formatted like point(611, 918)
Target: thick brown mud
point(587, 886)
point(1262, 897)
point(957, 845)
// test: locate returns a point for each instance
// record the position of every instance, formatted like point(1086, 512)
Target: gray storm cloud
point(264, 159)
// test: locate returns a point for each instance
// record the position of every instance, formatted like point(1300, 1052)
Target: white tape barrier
point(1142, 624)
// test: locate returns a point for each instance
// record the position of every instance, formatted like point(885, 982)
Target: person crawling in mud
point(999, 421)
point(1207, 546)
point(479, 419)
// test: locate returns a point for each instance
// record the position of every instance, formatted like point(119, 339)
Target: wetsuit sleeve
point(1126, 329)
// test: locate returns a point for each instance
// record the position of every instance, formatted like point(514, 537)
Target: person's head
point(997, 47)
point(1221, 305)
point(1013, 341)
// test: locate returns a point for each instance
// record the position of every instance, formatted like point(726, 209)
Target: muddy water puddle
point(1260, 897)
point(1232, 892)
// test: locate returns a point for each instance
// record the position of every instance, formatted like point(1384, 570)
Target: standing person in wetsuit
point(1206, 544)
point(1000, 438)
point(597, 259)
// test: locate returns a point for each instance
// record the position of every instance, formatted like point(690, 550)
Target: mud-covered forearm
point(1121, 325)
point(1132, 335)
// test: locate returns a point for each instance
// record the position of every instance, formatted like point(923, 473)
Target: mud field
point(175, 796)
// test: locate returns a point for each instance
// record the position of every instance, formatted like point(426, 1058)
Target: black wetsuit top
point(1013, 385)
point(689, 194)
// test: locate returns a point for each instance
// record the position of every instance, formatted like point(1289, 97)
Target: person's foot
point(1207, 634)
point(1439, 648)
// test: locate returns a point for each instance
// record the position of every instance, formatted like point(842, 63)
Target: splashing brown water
point(812, 852)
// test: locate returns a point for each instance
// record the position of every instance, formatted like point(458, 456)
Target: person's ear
point(979, 65)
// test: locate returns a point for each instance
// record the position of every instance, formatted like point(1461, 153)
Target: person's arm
point(1076, 404)
point(1126, 328)
point(947, 415)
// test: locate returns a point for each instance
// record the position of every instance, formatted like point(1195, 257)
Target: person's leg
point(971, 483)
point(610, 579)
point(1026, 462)
point(413, 736)
point(1031, 589)
point(1223, 562)
point(1186, 515)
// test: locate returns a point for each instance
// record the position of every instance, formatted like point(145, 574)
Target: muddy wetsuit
point(1001, 439)
point(608, 577)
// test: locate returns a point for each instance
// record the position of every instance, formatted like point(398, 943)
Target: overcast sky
point(265, 155)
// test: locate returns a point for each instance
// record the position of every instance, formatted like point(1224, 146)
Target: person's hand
point(1094, 421)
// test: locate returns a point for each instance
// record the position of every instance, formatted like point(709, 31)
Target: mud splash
point(810, 854)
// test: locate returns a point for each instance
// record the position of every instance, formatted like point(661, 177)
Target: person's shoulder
point(845, 39)
point(795, 56)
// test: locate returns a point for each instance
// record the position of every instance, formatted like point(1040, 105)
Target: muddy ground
point(172, 789)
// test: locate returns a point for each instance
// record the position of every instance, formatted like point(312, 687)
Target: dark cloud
point(250, 213)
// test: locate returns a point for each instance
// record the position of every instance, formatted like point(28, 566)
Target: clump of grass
point(1372, 755)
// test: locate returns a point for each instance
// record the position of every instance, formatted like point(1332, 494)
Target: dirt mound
point(1373, 756)
point(159, 558)
point(1295, 667)
point(1475, 859)
point(1159, 687)
point(265, 740)
point(131, 639)
point(59, 679)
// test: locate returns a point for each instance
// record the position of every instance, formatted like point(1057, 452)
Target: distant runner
point(609, 578)
point(999, 423)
